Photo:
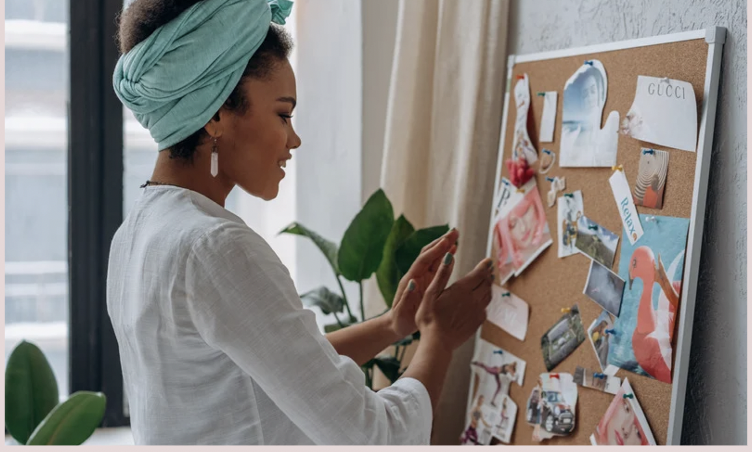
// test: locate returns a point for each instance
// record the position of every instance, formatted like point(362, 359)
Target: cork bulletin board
point(551, 283)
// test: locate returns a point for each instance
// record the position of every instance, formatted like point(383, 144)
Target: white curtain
point(440, 146)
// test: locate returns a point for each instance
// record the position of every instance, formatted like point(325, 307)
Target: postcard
point(599, 334)
point(651, 179)
point(653, 271)
point(624, 423)
point(596, 242)
point(604, 287)
point(570, 209)
point(596, 380)
point(562, 338)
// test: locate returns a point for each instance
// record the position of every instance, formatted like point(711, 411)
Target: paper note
point(664, 112)
point(508, 312)
point(625, 203)
point(595, 380)
point(548, 121)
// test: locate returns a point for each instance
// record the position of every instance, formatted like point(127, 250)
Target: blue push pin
point(550, 179)
point(610, 331)
point(508, 294)
point(569, 195)
point(498, 352)
point(547, 151)
point(628, 396)
point(599, 375)
point(540, 93)
point(588, 62)
point(648, 151)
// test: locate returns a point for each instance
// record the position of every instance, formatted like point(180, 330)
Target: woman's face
point(255, 146)
point(521, 226)
point(590, 93)
point(622, 428)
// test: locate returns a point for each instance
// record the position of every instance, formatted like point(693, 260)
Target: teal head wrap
point(179, 77)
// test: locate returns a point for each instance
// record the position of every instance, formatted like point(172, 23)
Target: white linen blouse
point(217, 348)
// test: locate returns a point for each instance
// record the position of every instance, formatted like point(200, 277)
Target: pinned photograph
point(522, 145)
point(651, 179)
point(596, 242)
point(557, 184)
point(583, 142)
point(508, 311)
point(562, 338)
point(604, 287)
point(624, 423)
point(482, 420)
point(508, 417)
point(552, 405)
point(664, 112)
point(653, 270)
point(596, 380)
point(503, 258)
point(570, 209)
point(496, 369)
point(599, 334)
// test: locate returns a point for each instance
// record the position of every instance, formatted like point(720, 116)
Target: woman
point(503, 375)
point(525, 228)
point(214, 342)
point(470, 435)
point(620, 425)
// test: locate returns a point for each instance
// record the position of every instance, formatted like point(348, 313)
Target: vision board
point(509, 368)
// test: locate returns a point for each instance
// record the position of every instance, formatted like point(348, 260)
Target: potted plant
point(374, 242)
point(34, 414)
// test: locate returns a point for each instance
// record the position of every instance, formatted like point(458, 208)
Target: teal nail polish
point(448, 258)
point(411, 286)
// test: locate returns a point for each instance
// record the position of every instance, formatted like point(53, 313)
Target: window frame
point(95, 200)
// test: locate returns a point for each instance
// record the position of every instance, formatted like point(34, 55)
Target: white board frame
point(715, 37)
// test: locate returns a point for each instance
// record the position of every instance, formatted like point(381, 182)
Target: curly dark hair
point(142, 17)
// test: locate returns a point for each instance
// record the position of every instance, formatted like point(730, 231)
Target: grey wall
point(716, 404)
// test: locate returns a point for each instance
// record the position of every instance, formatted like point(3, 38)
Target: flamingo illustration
point(651, 340)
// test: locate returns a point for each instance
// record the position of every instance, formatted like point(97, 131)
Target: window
point(36, 268)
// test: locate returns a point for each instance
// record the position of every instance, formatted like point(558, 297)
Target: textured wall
point(716, 405)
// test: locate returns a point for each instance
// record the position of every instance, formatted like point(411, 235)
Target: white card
point(548, 121)
point(664, 112)
point(508, 311)
point(625, 204)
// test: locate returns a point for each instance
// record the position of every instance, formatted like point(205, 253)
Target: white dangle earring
point(214, 159)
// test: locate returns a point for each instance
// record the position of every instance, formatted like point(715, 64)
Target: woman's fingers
point(452, 235)
point(479, 274)
point(441, 278)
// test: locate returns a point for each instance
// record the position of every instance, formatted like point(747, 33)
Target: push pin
point(498, 352)
point(628, 396)
point(569, 195)
point(610, 331)
point(593, 227)
point(520, 190)
point(599, 375)
point(650, 218)
point(666, 79)
point(540, 93)
point(520, 77)
point(550, 179)
point(617, 168)
point(507, 294)
point(588, 62)
point(506, 182)
point(554, 376)
point(648, 151)
point(566, 309)
point(547, 151)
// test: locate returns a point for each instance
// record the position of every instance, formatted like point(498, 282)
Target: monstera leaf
point(362, 246)
point(388, 275)
point(411, 247)
point(328, 248)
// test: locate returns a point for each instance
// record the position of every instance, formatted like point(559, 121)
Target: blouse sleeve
point(244, 303)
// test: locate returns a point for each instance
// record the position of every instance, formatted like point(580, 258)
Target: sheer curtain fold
point(441, 139)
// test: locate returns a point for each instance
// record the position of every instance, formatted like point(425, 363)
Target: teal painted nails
point(411, 286)
point(448, 258)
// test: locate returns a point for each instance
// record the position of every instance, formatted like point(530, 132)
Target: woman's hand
point(414, 284)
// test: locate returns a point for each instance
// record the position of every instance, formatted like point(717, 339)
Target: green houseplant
point(34, 414)
point(374, 242)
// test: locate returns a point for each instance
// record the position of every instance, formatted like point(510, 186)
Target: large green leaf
point(72, 422)
point(336, 326)
point(325, 299)
point(30, 390)
point(411, 247)
point(388, 275)
point(328, 248)
point(389, 366)
point(362, 246)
